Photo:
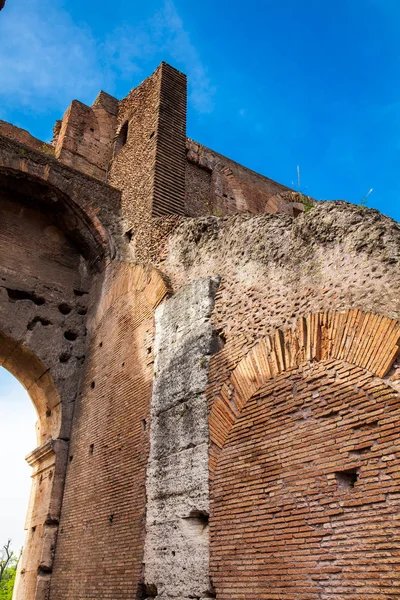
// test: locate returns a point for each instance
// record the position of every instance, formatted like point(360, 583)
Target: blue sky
point(271, 84)
point(17, 439)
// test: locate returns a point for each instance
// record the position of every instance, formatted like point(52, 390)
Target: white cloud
point(47, 59)
point(44, 56)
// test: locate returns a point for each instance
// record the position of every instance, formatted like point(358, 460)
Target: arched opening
point(18, 437)
point(46, 457)
point(52, 243)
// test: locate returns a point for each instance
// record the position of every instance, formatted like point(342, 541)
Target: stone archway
point(305, 458)
point(52, 246)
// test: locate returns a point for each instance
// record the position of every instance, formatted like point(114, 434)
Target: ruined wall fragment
point(149, 161)
point(176, 550)
point(217, 185)
point(84, 137)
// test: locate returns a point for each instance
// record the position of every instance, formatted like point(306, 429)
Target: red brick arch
point(366, 340)
point(86, 208)
point(38, 382)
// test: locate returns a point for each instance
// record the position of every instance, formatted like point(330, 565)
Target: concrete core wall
point(177, 548)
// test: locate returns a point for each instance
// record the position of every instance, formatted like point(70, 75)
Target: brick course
point(102, 521)
point(283, 524)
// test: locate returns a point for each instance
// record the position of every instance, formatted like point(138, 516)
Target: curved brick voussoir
point(366, 340)
point(86, 208)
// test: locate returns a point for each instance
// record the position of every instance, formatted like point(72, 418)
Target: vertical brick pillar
point(170, 163)
point(149, 158)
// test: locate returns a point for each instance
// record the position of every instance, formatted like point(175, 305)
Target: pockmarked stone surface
point(177, 545)
point(214, 360)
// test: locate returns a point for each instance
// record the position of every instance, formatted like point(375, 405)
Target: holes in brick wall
point(48, 413)
point(151, 135)
point(91, 448)
point(150, 590)
point(70, 458)
point(111, 518)
point(101, 345)
point(91, 129)
point(64, 357)
point(81, 310)
point(346, 479)
point(70, 335)
point(222, 335)
point(144, 424)
point(218, 341)
point(44, 322)
point(15, 295)
point(80, 293)
point(366, 426)
point(64, 308)
point(297, 211)
point(92, 385)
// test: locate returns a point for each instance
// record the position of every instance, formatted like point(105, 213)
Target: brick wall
point(306, 492)
point(170, 164)
point(149, 162)
point(42, 341)
point(100, 542)
point(24, 137)
point(84, 137)
point(273, 270)
point(198, 190)
point(233, 188)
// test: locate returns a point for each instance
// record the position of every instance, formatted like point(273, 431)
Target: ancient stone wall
point(149, 152)
point(216, 185)
point(101, 536)
point(43, 300)
point(275, 269)
point(306, 492)
point(272, 404)
point(49, 249)
point(24, 137)
point(83, 139)
point(170, 164)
